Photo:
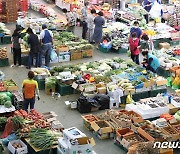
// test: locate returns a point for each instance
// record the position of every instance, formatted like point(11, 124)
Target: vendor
point(136, 29)
point(29, 87)
point(150, 62)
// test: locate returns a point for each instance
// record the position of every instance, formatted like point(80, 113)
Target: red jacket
point(133, 44)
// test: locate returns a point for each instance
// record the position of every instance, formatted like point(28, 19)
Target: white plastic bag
point(155, 11)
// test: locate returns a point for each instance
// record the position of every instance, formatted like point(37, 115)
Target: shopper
point(34, 43)
point(71, 19)
point(46, 40)
point(134, 44)
point(150, 62)
point(99, 22)
point(30, 89)
point(136, 29)
point(16, 47)
point(84, 12)
point(145, 44)
point(90, 21)
point(147, 4)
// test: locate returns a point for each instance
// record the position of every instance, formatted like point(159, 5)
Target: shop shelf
point(4, 62)
point(64, 89)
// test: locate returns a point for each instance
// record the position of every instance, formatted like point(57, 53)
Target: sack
point(129, 99)
point(83, 105)
point(103, 100)
point(53, 55)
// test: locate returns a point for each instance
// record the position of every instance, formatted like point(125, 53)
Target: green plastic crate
point(24, 60)
point(175, 42)
point(6, 40)
point(121, 50)
point(4, 62)
point(64, 89)
point(41, 83)
point(153, 93)
point(162, 72)
point(105, 50)
point(137, 96)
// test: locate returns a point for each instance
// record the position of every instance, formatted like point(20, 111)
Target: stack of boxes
point(11, 11)
point(74, 142)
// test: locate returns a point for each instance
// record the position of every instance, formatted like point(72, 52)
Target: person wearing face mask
point(150, 62)
point(134, 44)
point(136, 29)
point(145, 45)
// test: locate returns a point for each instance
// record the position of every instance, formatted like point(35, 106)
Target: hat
point(44, 26)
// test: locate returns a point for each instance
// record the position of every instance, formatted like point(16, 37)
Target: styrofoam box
point(72, 134)
point(22, 150)
point(62, 146)
point(176, 104)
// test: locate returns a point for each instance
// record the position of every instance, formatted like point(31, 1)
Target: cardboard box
point(88, 87)
point(10, 88)
point(87, 53)
point(123, 132)
point(134, 116)
point(176, 128)
point(144, 134)
point(62, 48)
point(166, 151)
point(171, 132)
point(164, 45)
point(101, 90)
point(76, 55)
point(148, 84)
point(103, 136)
point(126, 143)
point(22, 150)
point(49, 91)
point(102, 127)
point(161, 82)
point(172, 109)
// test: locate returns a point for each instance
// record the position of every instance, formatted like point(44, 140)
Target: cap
point(44, 26)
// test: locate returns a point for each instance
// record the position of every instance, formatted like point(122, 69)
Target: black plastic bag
point(83, 105)
point(103, 100)
point(93, 103)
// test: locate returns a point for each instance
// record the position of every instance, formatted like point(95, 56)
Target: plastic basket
point(41, 83)
point(64, 89)
point(103, 49)
point(139, 86)
point(6, 40)
point(4, 62)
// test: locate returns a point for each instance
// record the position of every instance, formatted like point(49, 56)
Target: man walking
point(46, 39)
point(84, 20)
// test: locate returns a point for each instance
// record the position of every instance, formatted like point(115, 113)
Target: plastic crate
point(137, 96)
point(24, 60)
point(162, 72)
point(41, 83)
point(64, 89)
point(175, 42)
point(153, 93)
point(104, 50)
point(6, 40)
point(4, 62)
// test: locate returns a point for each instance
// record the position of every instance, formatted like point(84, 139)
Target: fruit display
point(3, 53)
point(154, 133)
point(176, 52)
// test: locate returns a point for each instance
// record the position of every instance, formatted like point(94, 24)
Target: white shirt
point(43, 33)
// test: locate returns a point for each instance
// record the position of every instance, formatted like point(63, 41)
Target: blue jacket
point(155, 63)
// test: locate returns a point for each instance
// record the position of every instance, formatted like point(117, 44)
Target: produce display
point(9, 83)
point(4, 30)
point(2, 88)
point(5, 99)
point(3, 53)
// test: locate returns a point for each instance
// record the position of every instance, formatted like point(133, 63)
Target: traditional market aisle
point(69, 118)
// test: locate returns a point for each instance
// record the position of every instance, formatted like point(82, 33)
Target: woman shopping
point(99, 22)
point(16, 47)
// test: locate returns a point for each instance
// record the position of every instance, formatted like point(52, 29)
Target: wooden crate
point(76, 55)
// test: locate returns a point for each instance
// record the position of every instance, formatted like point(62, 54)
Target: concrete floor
point(69, 118)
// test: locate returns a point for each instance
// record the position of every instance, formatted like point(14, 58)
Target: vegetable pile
point(43, 138)
point(5, 99)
